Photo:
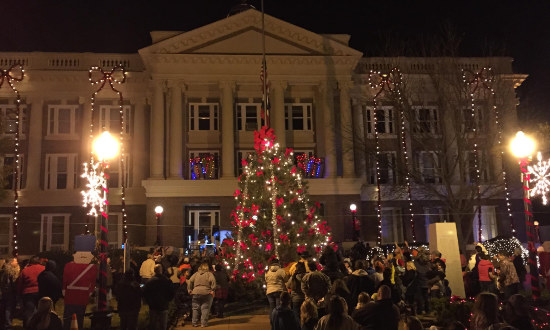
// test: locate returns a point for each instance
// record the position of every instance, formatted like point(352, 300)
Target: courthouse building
point(198, 94)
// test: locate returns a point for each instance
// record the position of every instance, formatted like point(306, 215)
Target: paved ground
point(240, 322)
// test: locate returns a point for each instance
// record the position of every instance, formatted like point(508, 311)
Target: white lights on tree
point(540, 178)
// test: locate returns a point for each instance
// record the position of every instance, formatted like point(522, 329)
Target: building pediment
point(241, 34)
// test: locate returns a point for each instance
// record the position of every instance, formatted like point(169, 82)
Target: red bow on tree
point(263, 139)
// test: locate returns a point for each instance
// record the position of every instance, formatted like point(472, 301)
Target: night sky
point(520, 29)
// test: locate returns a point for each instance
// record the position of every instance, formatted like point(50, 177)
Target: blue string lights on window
point(312, 167)
point(203, 167)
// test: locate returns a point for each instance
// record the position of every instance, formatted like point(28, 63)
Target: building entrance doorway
point(199, 225)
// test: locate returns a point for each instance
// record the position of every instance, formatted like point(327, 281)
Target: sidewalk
point(241, 322)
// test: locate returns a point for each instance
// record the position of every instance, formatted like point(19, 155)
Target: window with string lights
point(7, 163)
point(203, 165)
point(385, 120)
point(8, 120)
point(386, 168)
point(109, 118)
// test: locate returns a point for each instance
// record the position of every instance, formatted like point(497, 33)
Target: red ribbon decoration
point(14, 73)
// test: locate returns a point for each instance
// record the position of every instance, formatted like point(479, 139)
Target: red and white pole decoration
point(530, 229)
point(389, 83)
point(15, 73)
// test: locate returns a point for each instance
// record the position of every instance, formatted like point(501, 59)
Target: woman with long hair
point(485, 312)
point(308, 315)
point(45, 317)
point(337, 318)
point(340, 288)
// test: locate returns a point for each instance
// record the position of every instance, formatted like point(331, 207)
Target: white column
point(326, 97)
point(228, 129)
point(359, 138)
point(33, 160)
point(176, 131)
point(346, 129)
point(139, 155)
point(278, 111)
point(157, 132)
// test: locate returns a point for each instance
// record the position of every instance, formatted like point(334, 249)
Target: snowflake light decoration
point(541, 178)
point(95, 194)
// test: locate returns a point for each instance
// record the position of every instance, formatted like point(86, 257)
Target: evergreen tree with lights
point(274, 217)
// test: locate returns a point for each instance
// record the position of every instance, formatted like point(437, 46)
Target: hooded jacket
point(48, 283)
point(315, 285)
point(275, 279)
point(202, 283)
point(359, 281)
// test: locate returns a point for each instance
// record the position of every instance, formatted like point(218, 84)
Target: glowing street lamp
point(158, 213)
point(523, 148)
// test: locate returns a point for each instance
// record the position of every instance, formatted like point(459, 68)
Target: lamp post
point(522, 148)
point(105, 147)
point(356, 229)
point(158, 213)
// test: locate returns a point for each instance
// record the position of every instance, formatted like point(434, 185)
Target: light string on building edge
point(15, 73)
point(390, 83)
point(116, 75)
point(473, 85)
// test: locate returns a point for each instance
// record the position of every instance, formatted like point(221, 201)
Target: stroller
point(182, 310)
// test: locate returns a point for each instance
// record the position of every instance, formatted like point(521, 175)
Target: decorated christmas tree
point(274, 216)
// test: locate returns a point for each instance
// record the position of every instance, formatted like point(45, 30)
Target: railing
point(427, 65)
point(71, 61)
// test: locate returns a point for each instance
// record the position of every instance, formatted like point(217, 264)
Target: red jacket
point(78, 283)
point(484, 267)
point(28, 280)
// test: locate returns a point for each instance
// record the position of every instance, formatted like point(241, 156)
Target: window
point(61, 171)
point(115, 179)
point(62, 119)
point(433, 215)
point(488, 222)
point(392, 225)
point(203, 116)
point(114, 225)
point(6, 232)
point(473, 121)
point(427, 120)
point(54, 232)
point(242, 154)
point(249, 116)
point(199, 226)
point(386, 165)
point(7, 165)
point(109, 118)
point(205, 169)
point(384, 120)
point(298, 117)
point(9, 121)
point(428, 165)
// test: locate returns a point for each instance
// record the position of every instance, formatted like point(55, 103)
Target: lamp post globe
point(159, 209)
point(106, 146)
point(522, 146)
point(353, 208)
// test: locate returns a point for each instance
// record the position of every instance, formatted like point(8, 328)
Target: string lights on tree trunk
point(16, 73)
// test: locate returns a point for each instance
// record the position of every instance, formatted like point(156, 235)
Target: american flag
point(265, 97)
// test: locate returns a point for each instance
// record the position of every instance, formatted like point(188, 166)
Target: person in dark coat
point(333, 271)
point(422, 265)
point(359, 281)
point(412, 290)
point(222, 289)
point(45, 317)
point(294, 284)
point(158, 293)
point(394, 288)
point(9, 273)
point(128, 295)
point(282, 317)
point(519, 265)
point(315, 285)
point(49, 284)
point(339, 288)
point(382, 314)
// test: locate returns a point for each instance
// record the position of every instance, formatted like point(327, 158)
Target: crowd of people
point(359, 290)
point(371, 291)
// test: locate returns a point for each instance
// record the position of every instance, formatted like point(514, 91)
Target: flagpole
point(264, 83)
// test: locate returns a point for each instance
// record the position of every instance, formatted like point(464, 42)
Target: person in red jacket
point(486, 269)
point(27, 287)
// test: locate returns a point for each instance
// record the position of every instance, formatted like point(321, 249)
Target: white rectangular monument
point(444, 239)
